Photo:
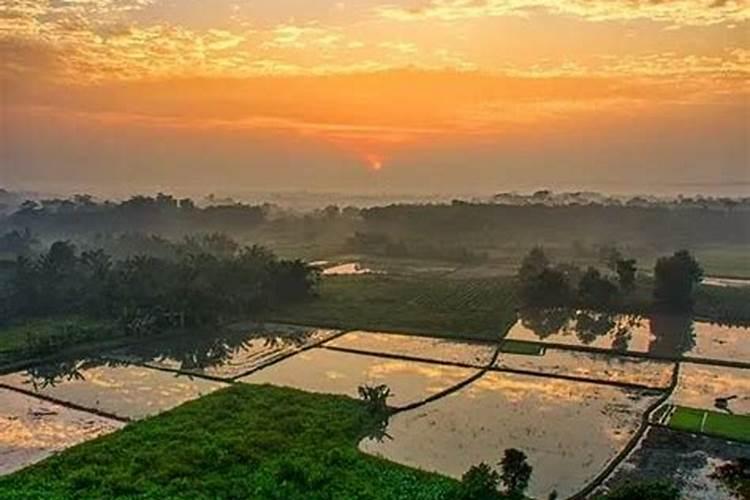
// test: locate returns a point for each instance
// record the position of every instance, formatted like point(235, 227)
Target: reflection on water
point(228, 353)
point(117, 389)
point(569, 430)
point(593, 366)
point(700, 385)
point(663, 335)
point(409, 345)
point(334, 372)
point(346, 269)
point(726, 282)
point(714, 341)
point(685, 460)
point(31, 429)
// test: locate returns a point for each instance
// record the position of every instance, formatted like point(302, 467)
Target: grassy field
point(736, 427)
point(242, 442)
point(42, 336)
point(479, 308)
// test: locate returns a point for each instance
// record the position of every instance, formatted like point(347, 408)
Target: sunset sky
point(374, 95)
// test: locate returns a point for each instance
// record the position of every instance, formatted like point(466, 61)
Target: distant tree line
point(209, 278)
point(652, 227)
point(384, 245)
point(542, 285)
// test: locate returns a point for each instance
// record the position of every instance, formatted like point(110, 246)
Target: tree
point(596, 291)
point(641, 491)
point(516, 472)
point(675, 280)
point(533, 264)
point(550, 288)
point(480, 482)
point(626, 271)
point(376, 397)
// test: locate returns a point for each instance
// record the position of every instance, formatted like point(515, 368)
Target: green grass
point(40, 336)
point(479, 307)
point(735, 427)
point(521, 347)
point(254, 442)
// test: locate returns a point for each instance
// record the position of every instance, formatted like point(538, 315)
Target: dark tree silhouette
point(675, 280)
point(516, 472)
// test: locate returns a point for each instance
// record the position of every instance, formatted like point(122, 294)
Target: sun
point(374, 162)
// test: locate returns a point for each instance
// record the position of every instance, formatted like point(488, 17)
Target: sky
point(225, 96)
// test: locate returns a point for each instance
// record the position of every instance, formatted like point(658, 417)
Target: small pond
point(569, 430)
point(334, 372)
point(475, 353)
point(117, 389)
point(32, 430)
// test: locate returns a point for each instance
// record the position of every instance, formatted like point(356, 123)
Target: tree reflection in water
point(670, 335)
point(190, 351)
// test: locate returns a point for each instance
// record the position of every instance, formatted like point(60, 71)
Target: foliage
point(516, 472)
point(596, 291)
point(254, 442)
point(481, 308)
point(197, 287)
point(736, 476)
point(480, 482)
point(376, 398)
point(626, 270)
point(643, 491)
point(675, 279)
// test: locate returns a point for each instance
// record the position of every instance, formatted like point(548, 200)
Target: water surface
point(121, 390)
point(699, 385)
point(593, 366)
point(569, 430)
point(32, 429)
point(476, 353)
point(334, 372)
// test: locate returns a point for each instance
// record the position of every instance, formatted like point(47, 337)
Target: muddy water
point(228, 355)
point(332, 372)
point(720, 342)
point(686, 460)
point(31, 429)
point(592, 366)
point(699, 386)
point(476, 353)
point(568, 430)
point(125, 391)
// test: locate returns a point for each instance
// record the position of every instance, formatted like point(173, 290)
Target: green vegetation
point(480, 308)
point(212, 278)
point(521, 347)
point(676, 278)
point(243, 442)
point(736, 427)
point(44, 336)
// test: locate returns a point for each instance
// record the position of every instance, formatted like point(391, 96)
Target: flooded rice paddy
point(349, 268)
point(569, 430)
point(579, 328)
point(125, 391)
point(474, 353)
point(334, 372)
point(699, 386)
point(231, 354)
point(592, 366)
point(712, 341)
point(32, 429)
point(687, 460)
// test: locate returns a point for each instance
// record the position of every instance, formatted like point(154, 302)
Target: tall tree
point(675, 280)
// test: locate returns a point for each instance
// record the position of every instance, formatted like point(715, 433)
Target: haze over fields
point(117, 96)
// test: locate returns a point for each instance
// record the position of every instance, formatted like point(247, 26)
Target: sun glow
point(374, 162)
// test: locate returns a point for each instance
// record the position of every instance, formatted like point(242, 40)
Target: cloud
point(681, 12)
